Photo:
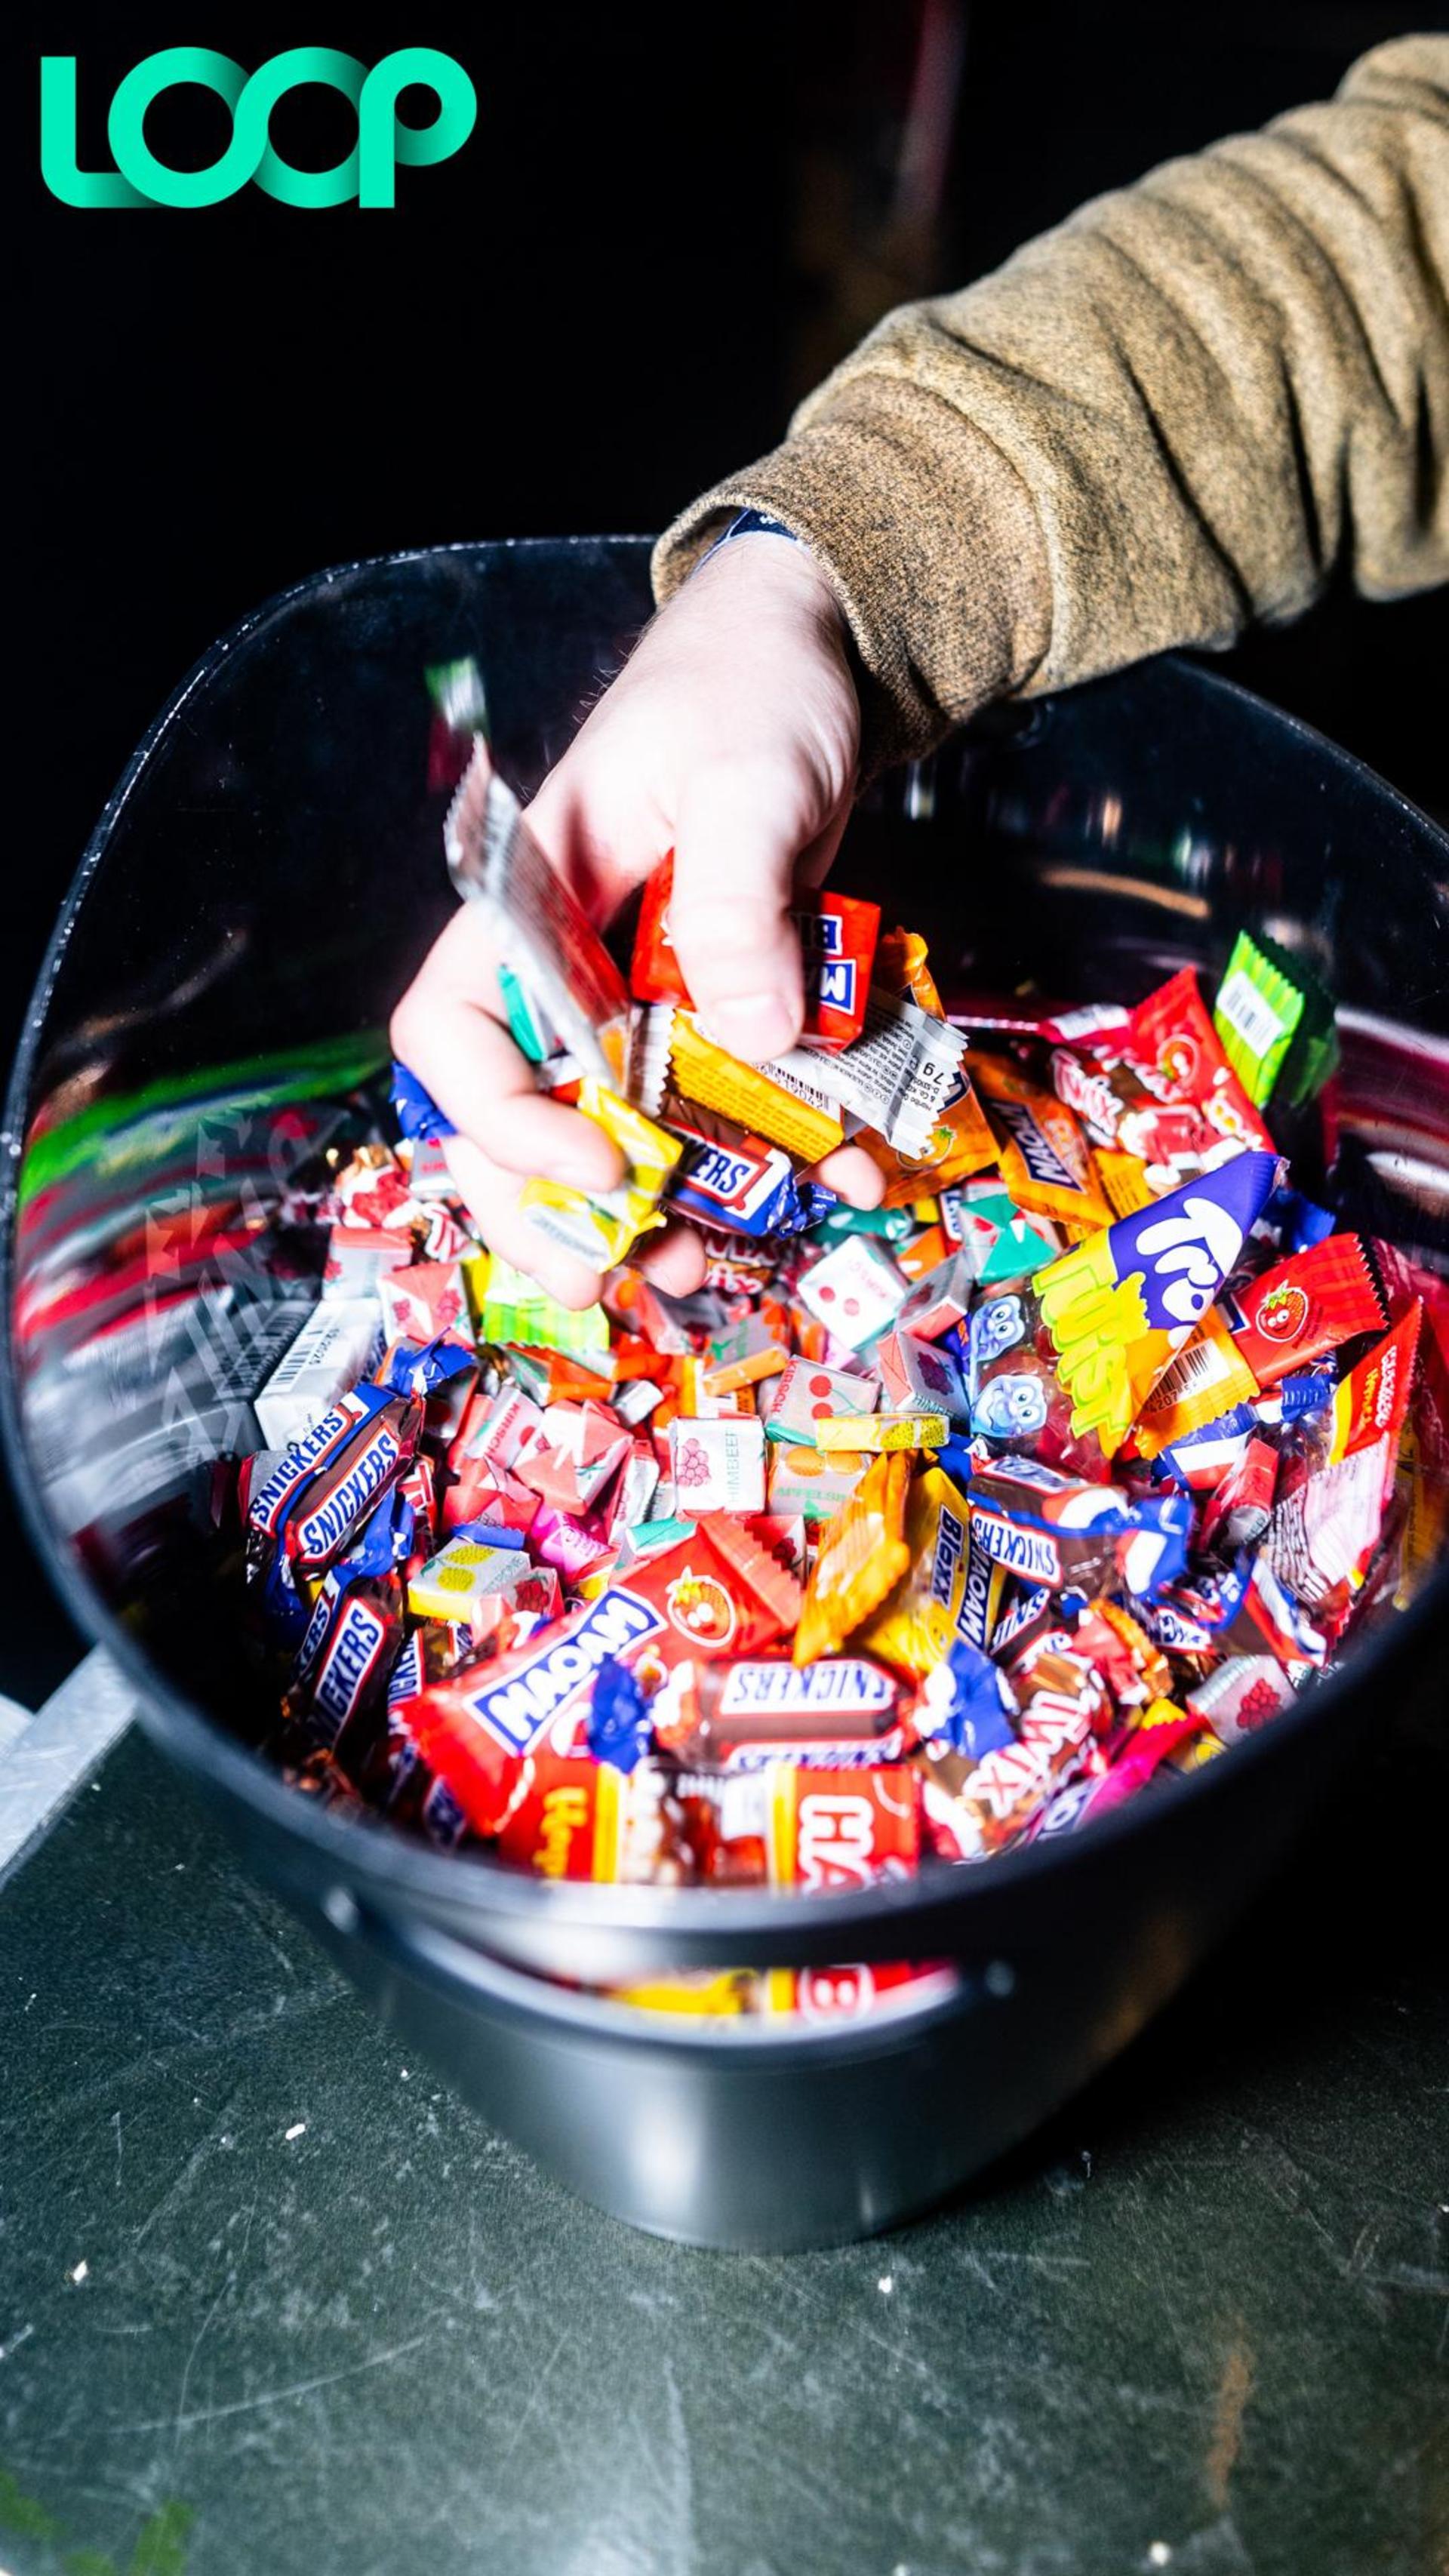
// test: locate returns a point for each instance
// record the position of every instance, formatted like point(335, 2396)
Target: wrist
point(758, 557)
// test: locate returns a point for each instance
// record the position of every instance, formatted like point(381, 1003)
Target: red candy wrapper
point(1162, 1088)
point(838, 937)
point(1306, 1307)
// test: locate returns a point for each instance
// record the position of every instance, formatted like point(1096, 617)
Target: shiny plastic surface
point(254, 897)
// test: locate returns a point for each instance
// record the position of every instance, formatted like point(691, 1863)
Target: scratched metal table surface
point(270, 2299)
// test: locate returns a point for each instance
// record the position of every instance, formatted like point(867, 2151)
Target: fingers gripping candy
point(601, 1232)
point(542, 931)
point(837, 936)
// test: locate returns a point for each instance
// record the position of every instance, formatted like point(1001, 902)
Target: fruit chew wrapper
point(837, 1714)
point(602, 1231)
point(898, 1078)
point(1306, 1307)
point(1118, 1306)
point(1262, 1332)
point(1326, 1528)
point(542, 932)
point(1276, 1023)
point(1061, 1532)
point(837, 949)
point(1161, 1092)
point(672, 1053)
point(722, 1591)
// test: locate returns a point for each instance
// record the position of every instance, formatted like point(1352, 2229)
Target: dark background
point(613, 293)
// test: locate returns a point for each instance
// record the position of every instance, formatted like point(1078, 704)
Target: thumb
point(729, 913)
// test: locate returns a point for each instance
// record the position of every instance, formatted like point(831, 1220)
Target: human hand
point(730, 736)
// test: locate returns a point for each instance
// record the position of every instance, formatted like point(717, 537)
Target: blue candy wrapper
point(618, 1726)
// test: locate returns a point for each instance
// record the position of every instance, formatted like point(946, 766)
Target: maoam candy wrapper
point(837, 935)
point(693, 1599)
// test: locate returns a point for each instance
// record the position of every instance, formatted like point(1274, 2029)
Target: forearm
point(1177, 413)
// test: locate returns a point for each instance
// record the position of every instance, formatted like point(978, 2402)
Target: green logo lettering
point(368, 173)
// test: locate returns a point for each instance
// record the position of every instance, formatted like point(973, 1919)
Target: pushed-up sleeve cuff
point(928, 537)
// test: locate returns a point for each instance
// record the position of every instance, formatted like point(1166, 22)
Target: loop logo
point(368, 173)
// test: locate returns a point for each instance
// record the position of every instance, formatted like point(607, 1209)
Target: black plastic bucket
point(263, 881)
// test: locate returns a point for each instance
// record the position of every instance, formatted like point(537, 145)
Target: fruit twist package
point(912, 1535)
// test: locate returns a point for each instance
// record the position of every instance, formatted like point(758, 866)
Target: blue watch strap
point(749, 523)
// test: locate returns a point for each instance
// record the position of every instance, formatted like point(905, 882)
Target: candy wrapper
point(1276, 1023)
point(741, 1183)
point(541, 930)
point(1119, 1305)
point(837, 937)
point(672, 1053)
point(1162, 1089)
point(1046, 1162)
point(862, 1554)
point(899, 1077)
point(914, 1533)
point(601, 1232)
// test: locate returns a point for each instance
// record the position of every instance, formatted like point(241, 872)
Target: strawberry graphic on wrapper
point(1285, 1313)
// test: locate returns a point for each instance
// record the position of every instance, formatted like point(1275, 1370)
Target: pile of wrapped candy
point(913, 1534)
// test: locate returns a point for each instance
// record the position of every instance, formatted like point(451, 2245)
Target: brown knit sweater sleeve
point(1176, 413)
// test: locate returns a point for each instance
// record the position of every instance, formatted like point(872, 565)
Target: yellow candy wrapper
point(1118, 1306)
point(1124, 1180)
point(673, 1053)
point(1208, 1376)
point(882, 1431)
point(602, 1232)
point(862, 1555)
point(915, 1627)
point(1046, 1162)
